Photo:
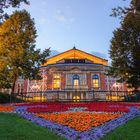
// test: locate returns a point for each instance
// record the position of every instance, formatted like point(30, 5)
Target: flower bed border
point(94, 133)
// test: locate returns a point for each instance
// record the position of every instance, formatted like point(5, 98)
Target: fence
point(77, 96)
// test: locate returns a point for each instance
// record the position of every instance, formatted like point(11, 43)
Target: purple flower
point(94, 133)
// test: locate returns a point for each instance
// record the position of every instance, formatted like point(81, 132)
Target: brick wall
point(89, 81)
point(102, 82)
point(50, 81)
point(63, 81)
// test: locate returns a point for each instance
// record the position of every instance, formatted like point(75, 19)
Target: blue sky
point(61, 24)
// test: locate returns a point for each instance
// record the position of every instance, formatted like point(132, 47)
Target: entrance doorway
point(76, 98)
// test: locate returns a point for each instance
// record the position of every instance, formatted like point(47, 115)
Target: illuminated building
point(73, 74)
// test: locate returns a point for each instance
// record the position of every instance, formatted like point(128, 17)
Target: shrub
point(5, 98)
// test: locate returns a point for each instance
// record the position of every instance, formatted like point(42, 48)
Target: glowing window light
point(56, 81)
point(76, 98)
point(95, 81)
point(76, 80)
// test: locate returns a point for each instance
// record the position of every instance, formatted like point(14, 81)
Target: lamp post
point(36, 88)
point(116, 85)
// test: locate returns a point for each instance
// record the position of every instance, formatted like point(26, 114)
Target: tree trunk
point(14, 83)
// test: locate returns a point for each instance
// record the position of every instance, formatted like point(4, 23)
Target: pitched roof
point(73, 54)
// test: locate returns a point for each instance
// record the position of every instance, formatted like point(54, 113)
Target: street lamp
point(116, 85)
point(36, 88)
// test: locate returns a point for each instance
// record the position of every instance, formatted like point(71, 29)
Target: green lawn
point(12, 127)
point(129, 131)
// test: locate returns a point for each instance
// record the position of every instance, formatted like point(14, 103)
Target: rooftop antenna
point(74, 47)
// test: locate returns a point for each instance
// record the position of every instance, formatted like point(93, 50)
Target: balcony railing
point(79, 87)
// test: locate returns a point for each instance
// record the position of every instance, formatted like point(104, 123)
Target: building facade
point(73, 74)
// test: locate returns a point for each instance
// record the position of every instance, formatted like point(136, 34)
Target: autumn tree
point(4, 4)
point(18, 56)
point(125, 45)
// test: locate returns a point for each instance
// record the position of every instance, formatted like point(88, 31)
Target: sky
point(85, 24)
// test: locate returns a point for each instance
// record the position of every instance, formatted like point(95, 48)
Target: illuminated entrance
point(76, 98)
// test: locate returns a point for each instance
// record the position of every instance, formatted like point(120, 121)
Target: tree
point(125, 45)
point(18, 56)
point(4, 4)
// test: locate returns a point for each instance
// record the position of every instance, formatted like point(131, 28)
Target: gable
point(75, 54)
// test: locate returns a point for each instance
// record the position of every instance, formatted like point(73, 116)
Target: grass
point(12, 127)
point(129, 131)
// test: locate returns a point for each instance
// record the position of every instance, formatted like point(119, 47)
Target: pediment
point(75, 54)
point(75, 69)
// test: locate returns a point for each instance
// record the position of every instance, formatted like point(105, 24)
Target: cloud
point(53, 53)
point(63, 18)
point(42, 21)
point(102, 55)
point(72, 20)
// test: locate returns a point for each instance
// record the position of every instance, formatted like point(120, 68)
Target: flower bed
point(6, 108)
point(94, 106)
point(70, 133)
point(77, 120)
point(80, 121)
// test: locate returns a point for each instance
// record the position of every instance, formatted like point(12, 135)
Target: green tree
point(4, 4)
point(125, 45)
point(18, 56)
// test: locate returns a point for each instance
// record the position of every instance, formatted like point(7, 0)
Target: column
point(82, 96)
point(70, 95)
point(86, 95)
point(65, 95)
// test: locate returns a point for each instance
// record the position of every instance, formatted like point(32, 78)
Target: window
point(76, 80)
point(67, 60)
point(95, 81)
point(56, 81)
point(81, 60)
point(74, 60)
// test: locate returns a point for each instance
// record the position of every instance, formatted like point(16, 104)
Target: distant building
point(73, 74)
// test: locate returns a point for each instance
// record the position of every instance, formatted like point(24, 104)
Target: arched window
point(56, 81)
point(95, 81)
point(76, 80)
